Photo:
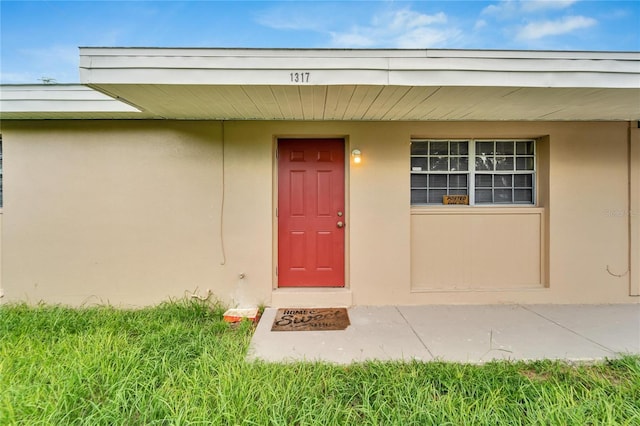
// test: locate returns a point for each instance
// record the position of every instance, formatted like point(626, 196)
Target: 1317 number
point(300, 77)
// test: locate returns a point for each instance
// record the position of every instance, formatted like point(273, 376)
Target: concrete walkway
point(469, 334)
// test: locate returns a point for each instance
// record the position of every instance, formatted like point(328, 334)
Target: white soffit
point(372, 103)
point(60, 101)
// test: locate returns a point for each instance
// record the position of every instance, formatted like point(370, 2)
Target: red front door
point(311, 213)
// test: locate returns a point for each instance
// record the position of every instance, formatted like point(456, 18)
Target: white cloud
point(615, 14)
point(352, 39)
point(295, 16)
point(535, 5)
point(502, 8)
point(405, 19)
point(403, 28)
point(568, 24)
point(298, 22)
point(480, 23)
point(511, 8)
point(425, 37)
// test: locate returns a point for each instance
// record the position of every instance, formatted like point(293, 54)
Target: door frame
point(275, 199)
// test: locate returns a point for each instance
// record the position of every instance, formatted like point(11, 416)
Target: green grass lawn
point(179, 363)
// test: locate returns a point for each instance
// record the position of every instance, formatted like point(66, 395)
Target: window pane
point(458, 192)
point(504, 148)
point(418, 181)
point(419, 162)
point(439, 148)
point(523, 196)
point(524, 163)
point(502, 196)
point(435, 195)
point(439, 164)
point(523, 181)
point(484, 148)
point(504, 163)
point(484, 163)
point(484, 181)
point(483, 196)
point(419, 148)
point(418, 196)
point(437, 181)
point(459, 148)
point(524, 148)
point(502, 181)
point(503, 171)
point(457, 181)
point(459, 163)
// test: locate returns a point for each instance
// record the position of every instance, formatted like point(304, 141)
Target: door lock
point(340, 224)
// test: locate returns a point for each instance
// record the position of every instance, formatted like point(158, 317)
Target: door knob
point(340, 224)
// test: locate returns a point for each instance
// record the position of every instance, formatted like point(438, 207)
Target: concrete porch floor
point(468, 334)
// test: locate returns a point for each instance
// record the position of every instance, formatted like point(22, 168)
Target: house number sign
point(455, 199)
point(299, 77)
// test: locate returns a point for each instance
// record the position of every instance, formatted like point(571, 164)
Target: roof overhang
point(347, 84)
point(60, 101)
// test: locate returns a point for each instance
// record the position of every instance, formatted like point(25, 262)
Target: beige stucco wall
point(129, 212)
point(103, 211)
point(477, 249)
point(1, 289)
point(634, 209)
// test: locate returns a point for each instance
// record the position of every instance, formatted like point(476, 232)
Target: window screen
point(488, 171)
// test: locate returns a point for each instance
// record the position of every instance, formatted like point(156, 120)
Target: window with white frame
point(487, 171)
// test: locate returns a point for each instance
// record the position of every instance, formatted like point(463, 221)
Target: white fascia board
point(320, 77)
point(99, 66)
point(58, 98)
point(239, 77)
point(384, 64)
point(231, 62)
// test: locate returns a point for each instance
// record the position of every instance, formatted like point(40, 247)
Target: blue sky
point(41, 38)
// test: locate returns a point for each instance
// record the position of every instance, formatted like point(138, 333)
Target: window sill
point(493, 209)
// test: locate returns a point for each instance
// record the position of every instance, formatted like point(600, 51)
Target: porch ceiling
point(376, 102)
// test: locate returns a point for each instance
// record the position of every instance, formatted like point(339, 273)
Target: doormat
point(311, 319)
